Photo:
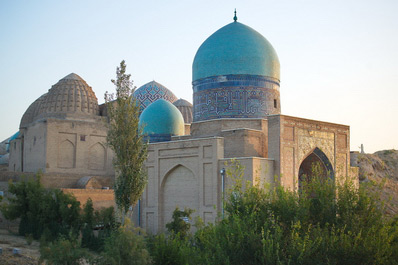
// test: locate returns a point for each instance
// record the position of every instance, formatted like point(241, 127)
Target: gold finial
point(235, 17)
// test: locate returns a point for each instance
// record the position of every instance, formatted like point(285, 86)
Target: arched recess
point(316, 163)
point(66, 155)
point(179, 189)
point(97, 157)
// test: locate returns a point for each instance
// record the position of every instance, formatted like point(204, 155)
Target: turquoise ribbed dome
point(235, 49)
point(162, 118)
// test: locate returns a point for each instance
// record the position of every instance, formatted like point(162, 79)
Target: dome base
point(235, 96)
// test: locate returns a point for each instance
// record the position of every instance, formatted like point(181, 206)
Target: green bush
point(324, 223)
point(180, 225)
point(104, 221)
point(172, 250)
point(42, 211)
point(64, 252)
point(125, 246)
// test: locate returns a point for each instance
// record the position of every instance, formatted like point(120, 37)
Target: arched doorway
point(316, 164)
point(179, 189)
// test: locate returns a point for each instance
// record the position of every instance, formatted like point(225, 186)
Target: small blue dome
point(162, 118)
point(235, 49)
point(152, 91)
point(13, 137)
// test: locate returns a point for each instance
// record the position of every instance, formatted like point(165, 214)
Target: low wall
point(100, 198)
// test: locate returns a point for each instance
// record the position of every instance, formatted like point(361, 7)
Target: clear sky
point(339, 59)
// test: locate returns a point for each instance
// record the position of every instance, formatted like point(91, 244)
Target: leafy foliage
point(126, 140)
point(104, 221)
point(326, 223)
point(172, 250)
point(180, 225)
point(125, 246)
point(47, 212)
point(64, 252)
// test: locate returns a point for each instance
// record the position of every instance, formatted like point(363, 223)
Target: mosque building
point(236, 114)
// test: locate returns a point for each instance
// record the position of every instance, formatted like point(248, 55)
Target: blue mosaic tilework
point(151, 92)
point(242, 96)
point(155, 138)
point(224, 81)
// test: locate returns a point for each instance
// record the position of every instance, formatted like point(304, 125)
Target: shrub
point(172, 250)
point(324, 224)
point(104, 221)
point(41, 210)
point(125, 246)
point(180, 225)
point(64, 252)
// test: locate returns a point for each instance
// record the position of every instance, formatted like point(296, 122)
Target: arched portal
point(315, 164)
point(179, 189)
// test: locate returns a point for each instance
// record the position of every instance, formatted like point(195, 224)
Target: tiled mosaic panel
point(151, 92)
point(235, 97)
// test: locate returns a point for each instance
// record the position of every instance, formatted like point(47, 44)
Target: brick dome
point(70, 96)
point(185, 108)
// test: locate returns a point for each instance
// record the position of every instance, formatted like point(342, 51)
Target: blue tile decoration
point(152, 91)
point(235, 96)
point(156, 138)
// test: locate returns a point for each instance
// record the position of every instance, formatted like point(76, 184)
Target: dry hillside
point(381, 167)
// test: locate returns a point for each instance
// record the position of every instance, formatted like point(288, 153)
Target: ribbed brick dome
point(185, 108)
point(70, 97)
point(31, 113)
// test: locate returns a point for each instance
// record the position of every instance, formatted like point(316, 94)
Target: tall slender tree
point(125, 138)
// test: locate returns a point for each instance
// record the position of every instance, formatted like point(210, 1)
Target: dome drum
point(235, 96)
point(156, 138)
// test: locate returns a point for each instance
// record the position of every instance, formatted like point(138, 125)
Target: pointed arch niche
point(315, 163)
point(97, 157)
point(179, 188)
point(66, 155)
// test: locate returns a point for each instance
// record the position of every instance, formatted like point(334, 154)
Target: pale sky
point(339, 59)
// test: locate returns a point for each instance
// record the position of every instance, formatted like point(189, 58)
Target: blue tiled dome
point(235, 49)
point(162, 120)
point(152, 91)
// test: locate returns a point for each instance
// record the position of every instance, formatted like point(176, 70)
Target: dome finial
point(235, 17)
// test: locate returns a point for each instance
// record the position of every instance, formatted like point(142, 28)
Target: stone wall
point(34, 140)
point(215, 127)
point(258, 171)
point(101, 198)
point(78, 147)
point(299, 138)
point(185, 174)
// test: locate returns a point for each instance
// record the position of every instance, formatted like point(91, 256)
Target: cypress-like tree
point(125, 138)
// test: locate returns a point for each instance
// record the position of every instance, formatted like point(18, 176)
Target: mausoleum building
point(235, 115)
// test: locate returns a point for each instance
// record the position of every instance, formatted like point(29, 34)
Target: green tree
point(125, 138)
point(42, 211)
